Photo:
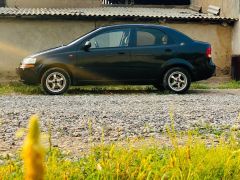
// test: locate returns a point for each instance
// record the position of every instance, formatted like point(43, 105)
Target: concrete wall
point(229, 8)
point(52, 3)
point(22, 37)
point(236, 39)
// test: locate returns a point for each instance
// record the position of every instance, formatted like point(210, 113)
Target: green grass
point(193, 159)
point(19, 88)
point(184, 155)
point(230, 85)
point(227, 85)
point(200, 86)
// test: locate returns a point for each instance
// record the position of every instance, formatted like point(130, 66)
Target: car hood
point(50, 52)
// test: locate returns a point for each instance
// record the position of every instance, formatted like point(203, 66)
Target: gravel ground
point(74, 118)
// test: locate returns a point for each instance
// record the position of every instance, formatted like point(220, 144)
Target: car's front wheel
point(177, 80)
point(55, 81)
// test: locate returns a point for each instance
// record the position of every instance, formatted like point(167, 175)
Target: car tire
point(55, 81)
point(177, 80)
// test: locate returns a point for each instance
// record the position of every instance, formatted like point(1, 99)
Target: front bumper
point(28, 75)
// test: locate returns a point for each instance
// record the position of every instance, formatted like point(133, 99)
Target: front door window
point(112, 39)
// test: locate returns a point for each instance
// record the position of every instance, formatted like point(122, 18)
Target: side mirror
point(87, 45)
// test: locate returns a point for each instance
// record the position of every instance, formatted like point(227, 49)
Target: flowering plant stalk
point(33, 152)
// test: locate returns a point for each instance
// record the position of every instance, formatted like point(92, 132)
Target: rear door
point(152, 47)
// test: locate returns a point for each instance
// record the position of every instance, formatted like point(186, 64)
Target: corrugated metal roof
point(141, 12)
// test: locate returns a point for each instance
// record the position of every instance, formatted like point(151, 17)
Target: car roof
point(136, 25)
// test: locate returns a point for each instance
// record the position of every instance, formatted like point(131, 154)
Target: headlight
point(29, 61)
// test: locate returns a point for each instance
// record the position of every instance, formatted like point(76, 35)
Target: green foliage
point(226, 85)
point(194, 159)
point(230, 85)
point(19, 88)
point(198, 85)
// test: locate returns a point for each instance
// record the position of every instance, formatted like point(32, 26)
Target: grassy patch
point(185, 156)
point(19, 88)
point(227, 85)
point(230, 85)
point(195, 159)
point(197, 85)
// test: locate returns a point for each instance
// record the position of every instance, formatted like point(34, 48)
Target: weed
point(194, 158)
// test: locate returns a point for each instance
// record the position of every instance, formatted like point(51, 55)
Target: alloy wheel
point(56, 82)
point(177, 81)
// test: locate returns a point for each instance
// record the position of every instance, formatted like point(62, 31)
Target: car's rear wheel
point(55, 81)
point(177, 80)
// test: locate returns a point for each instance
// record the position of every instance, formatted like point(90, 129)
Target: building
point(28, 26)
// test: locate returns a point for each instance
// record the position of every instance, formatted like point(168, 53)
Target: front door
point(104, 60)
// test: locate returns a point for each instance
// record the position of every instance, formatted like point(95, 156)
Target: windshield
point(81, 37)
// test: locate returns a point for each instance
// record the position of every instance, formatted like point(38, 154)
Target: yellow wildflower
point(33, 152)
point(99, 167)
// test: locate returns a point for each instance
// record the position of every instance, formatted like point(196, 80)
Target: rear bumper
point(28, 75)
point(206, 72)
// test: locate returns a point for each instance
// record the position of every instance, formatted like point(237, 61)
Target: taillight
point(209, 52)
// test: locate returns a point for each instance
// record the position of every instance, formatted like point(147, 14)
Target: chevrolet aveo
point(121, 54)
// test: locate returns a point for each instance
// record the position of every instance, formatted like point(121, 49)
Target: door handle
point(121, 53)
point(71, 56)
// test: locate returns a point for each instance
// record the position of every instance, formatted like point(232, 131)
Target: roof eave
point(213, 20)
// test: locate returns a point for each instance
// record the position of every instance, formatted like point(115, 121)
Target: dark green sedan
point(121, 54)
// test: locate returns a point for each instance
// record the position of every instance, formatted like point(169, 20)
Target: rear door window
point(151, 37)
